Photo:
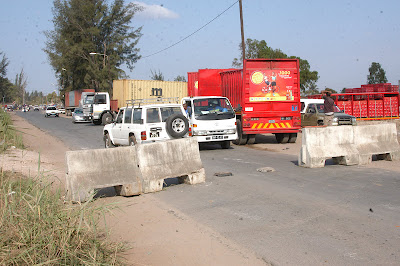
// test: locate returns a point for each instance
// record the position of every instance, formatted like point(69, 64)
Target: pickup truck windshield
point(212, 109)
point(320, 108)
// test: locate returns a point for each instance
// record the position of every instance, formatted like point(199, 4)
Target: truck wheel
point(292, 137)
point(97, 122)
point(177, 126)
point(251, 139)
point(282, 137)
point(226, 144)
point(242, 138)
point(106, 119)
point(107, 141)
point(132, 140)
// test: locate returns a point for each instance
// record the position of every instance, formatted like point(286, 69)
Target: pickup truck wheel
point(106, 119)
point(107, 141)
point(292, 137)
point(242, 138)
point(177, 126)
point(132, 140)
point(226, 144)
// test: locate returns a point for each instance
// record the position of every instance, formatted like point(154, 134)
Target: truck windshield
point(320, 107)
point(89, 99)
point(212, 109)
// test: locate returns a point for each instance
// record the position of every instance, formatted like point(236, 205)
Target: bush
point(8, 134)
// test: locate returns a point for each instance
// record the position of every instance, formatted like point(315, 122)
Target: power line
point(181, 40)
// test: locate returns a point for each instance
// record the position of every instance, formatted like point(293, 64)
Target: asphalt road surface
point(336, 215)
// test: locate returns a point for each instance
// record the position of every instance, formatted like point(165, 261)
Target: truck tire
point(97, 122)
point(251, 139)
point(226, 144)
point(107, 141)
point(242, 138)
point(282, 137)
point(292, 137)
point(177, 126)
point(106, 119)
point(132, 140)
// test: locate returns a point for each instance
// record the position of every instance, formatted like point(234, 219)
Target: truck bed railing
point(138, 102)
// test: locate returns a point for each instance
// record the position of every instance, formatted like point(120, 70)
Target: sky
point(340, 39)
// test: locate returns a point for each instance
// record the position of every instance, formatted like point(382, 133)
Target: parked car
point(36, 108)
point(61, 110)
point(147, 123)
point(78, 116)
point(51, 110)
point(312, 114)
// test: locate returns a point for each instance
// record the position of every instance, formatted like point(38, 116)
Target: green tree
point(259, 49)
point(90, 41)
point(156, 76)
point(343, 90)
point(376, 74)
point(180, 78)
point(6, 87)
point(20, 86)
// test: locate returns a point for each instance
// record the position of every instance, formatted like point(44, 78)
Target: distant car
point(78, 116)
point(36, 108)
point(61, 110)
point(10, 108)
point(51, 110)
point(312, 114)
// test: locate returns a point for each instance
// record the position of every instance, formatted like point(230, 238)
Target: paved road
point(336, 215)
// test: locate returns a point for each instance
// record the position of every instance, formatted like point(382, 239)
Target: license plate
point(154, 134)
point(217, 137)
point(271, 121)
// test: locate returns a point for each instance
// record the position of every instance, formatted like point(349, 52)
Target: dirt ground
point(156, 233)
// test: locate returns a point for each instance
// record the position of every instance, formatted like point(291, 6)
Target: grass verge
point(38, 228)
point(8, 134)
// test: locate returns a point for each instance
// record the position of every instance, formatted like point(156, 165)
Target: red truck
point(74, 99)
point(265, 95)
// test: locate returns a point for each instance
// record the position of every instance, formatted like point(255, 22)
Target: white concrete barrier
point(132, 170)
point(348, 145)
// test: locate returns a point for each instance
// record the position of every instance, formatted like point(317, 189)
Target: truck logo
point(257, 77)
point(156, 92)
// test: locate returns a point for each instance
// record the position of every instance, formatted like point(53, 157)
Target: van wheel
point(132, 140)
point(107, 141)
point(177, 126)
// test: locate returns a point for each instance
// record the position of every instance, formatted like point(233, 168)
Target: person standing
point(329, 105)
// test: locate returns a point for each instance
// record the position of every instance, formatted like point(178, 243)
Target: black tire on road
point(226, 144)
point(251, 139)
point(107, 141)
point(107, 118)
point(177, 126)
point(282, 137)
point(292, 137)
point(242, 138)
point(132, 140)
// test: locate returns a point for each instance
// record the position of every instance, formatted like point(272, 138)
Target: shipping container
point(129, 89)
point(266, 97)
point(193, 84)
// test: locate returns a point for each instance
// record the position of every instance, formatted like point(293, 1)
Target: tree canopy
point(259, 49)
point(90, 41)
point(376, 74)
point(7, 89)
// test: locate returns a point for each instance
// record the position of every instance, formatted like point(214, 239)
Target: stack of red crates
point(391, 106)
point(375, 108)
point(360, 108)
point(345, 106)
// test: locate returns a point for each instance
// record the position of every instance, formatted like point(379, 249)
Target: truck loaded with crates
point(265, 95)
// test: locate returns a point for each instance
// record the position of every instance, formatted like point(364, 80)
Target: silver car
point(77, 116)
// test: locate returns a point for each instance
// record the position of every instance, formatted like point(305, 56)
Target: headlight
point(353, 121)
point(231, 131)
point(199, 132)
point(335, 119)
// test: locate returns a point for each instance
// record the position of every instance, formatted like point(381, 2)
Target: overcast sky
point(340, 39)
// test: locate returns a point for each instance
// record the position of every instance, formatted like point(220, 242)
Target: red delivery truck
point(74, 99)
point(266, 97)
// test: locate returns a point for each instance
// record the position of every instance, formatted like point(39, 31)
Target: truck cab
point(211, 119)
point(97, 107)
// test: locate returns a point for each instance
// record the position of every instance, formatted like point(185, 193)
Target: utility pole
point(242, 30)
